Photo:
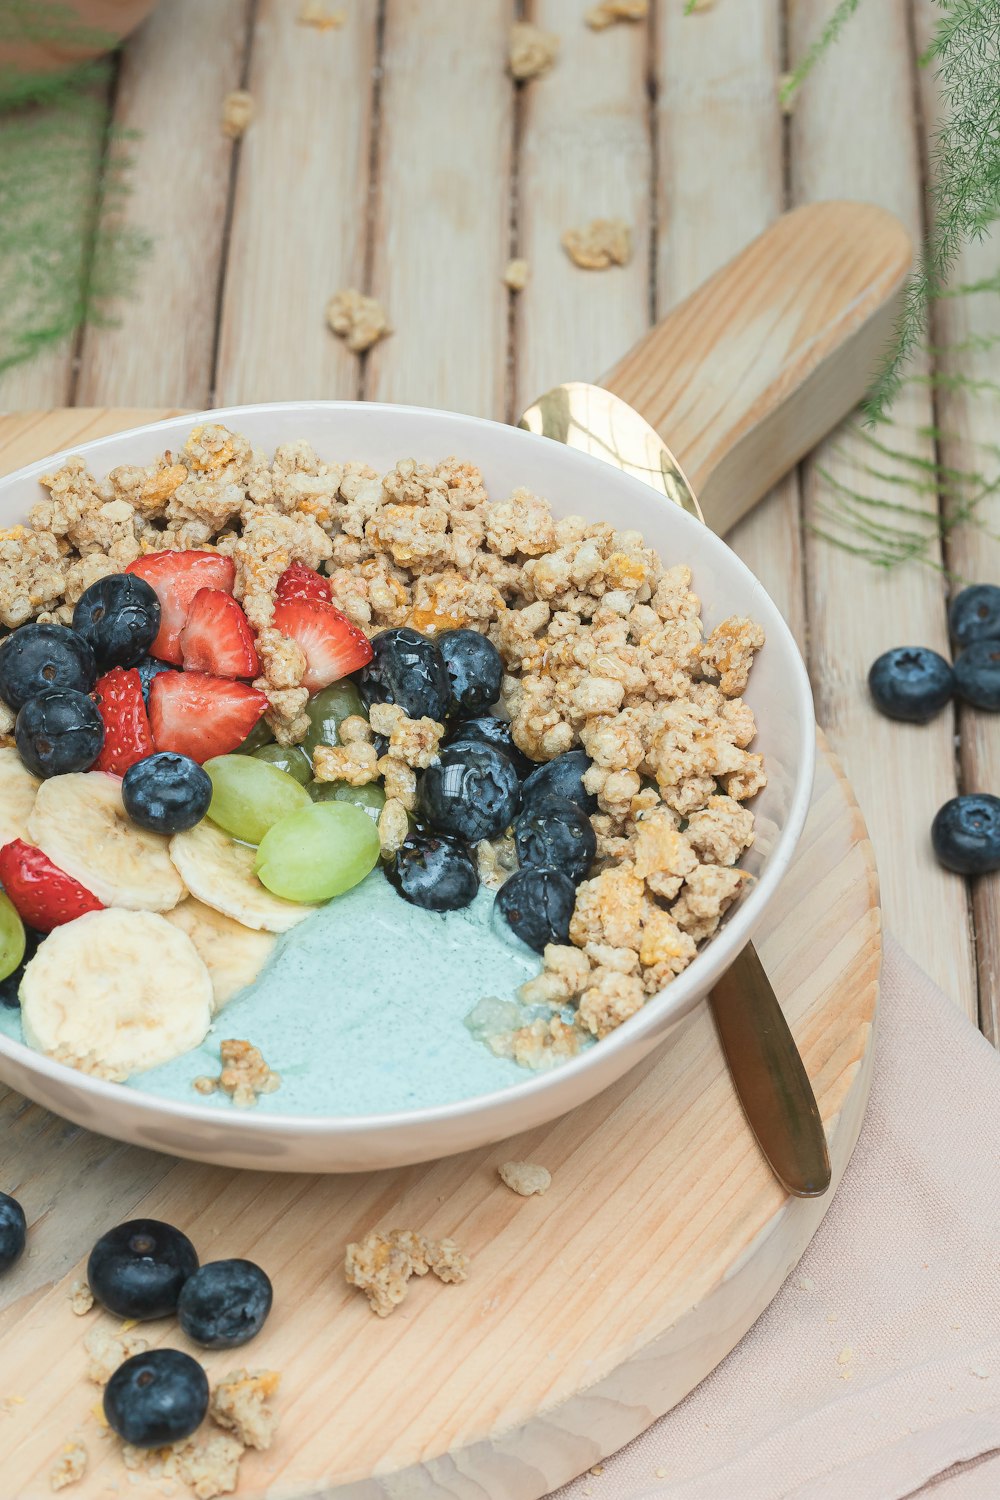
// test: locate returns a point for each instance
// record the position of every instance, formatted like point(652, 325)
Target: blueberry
point(556, 835)
point(475, 671)
point(911, 682)
point(562, 777)
point(224, 1303)
point(166, 793)
point(119, 616)
point(408, 669)
point(537, 906)
point(434, 871)
point(59, 732)
point(966, 834)
point(156, 1398)
point(13, 1231)
point(977, 674)
point(137, 1269)
point(149, 668)
point(484, 729)
point(974, 614)
point(38, 658)
point(10, 986)
point(470, 790)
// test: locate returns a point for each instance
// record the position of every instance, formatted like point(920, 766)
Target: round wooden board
point(588, 1312)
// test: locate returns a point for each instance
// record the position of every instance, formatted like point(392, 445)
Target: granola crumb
point(106, 1351)
point(210, 1464)
point(515, 275)
point(70, 1466)
point(607, 12)
point(239, 1403)
point(602, 243)
point(244, 1076)
point(237, 113)
point(81, 1298)
point(531, 51)
point(525, 1177)
point(314, 13)
point(359, 320)
point(393, 827)
point(380, 1265)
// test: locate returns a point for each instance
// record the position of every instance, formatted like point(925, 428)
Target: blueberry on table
point(149, 668)
point(224, 1303)
point(475, 671)
point(137, 1269)
point(911, 683)
point(119, 618)
point(974, 614)
point(977, 674)
point(13, 1231)
point(434, 871)
point(484, 729)
point(408, 669)
point(966, 834)
point(166, 793)
point(561, 777)
point(38, 658)
point(470, 791)
point(156, 1398)
point(59, 732)
point(556, 835)
point(537, 905)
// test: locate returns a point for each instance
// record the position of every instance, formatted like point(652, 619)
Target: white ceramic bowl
point(573, 483)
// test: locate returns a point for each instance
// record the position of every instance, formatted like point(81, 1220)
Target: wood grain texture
point(901, 773)
point(175, 72)
point(588, 1312)
point(298, 229)
point(441, 217)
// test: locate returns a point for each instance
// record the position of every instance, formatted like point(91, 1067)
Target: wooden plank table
point(394, 153)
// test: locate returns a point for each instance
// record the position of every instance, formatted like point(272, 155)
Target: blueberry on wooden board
point(224, 1303)
point(156, 1398)
point(911, 683)
point(966, 834)
point(137, 1269)
point(13, 1231)
point(977, 674)
point(974, 614)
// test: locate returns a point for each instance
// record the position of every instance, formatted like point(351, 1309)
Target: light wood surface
point(588, 1312)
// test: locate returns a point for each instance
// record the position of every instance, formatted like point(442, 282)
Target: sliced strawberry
point(217, 637)
point(44, 895)
point(176, 577)
point(201, 716)
point(300, 582)
point(127, 736)
point(333, 646)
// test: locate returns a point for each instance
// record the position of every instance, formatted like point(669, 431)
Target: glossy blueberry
point(38, 658)
point(59, 732)
point(977, 674)
point(484, 729)
point(974, 614)
point(556, 835)
point(537, 906)
point(119, 616)
point(149, 668)
point(562, 777)
point(911, 682)
point(470, 790)
point(166, 793)
point(966, 834)
point(408, 669)
point(137, 1269)
point(10, 986)
point(434, 871)
point(156, 1398)
point(13, 1231)
point(475, 671)
point(224, 1303)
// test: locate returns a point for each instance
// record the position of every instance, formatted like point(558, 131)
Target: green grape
point(371, 797)
point(249, 796)
point(259, 735)
point(318, 852)
point(288, 758)
point(327, 710)
point(11, 937)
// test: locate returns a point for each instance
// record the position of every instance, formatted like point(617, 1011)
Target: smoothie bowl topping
point(490, 747)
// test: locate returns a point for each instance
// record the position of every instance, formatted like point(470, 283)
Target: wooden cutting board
point(588, 1312)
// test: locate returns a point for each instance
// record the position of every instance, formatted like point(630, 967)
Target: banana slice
point(17, 796)
point(233, 954)
point(220, 872)
point(80, 823)
point(116, 992)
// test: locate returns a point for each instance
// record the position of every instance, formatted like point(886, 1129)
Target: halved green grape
point(371, 797)
point(327, 710)
point(260, 735)
point(11, 937)
point(249, 796)
point(288, 758)
point(318, 852)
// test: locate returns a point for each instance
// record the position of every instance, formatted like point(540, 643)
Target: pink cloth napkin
point(875, 1372)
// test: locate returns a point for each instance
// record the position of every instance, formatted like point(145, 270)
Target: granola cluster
point(244, 1075)
point(380, 1265)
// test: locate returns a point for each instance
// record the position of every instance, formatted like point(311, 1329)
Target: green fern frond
point(842, 14)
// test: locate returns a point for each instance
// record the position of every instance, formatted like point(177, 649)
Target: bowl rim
point(660, 1012)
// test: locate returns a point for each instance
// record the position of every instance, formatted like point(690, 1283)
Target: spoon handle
point(756, 366)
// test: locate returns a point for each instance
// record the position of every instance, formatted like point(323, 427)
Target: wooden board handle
point(756, 366)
